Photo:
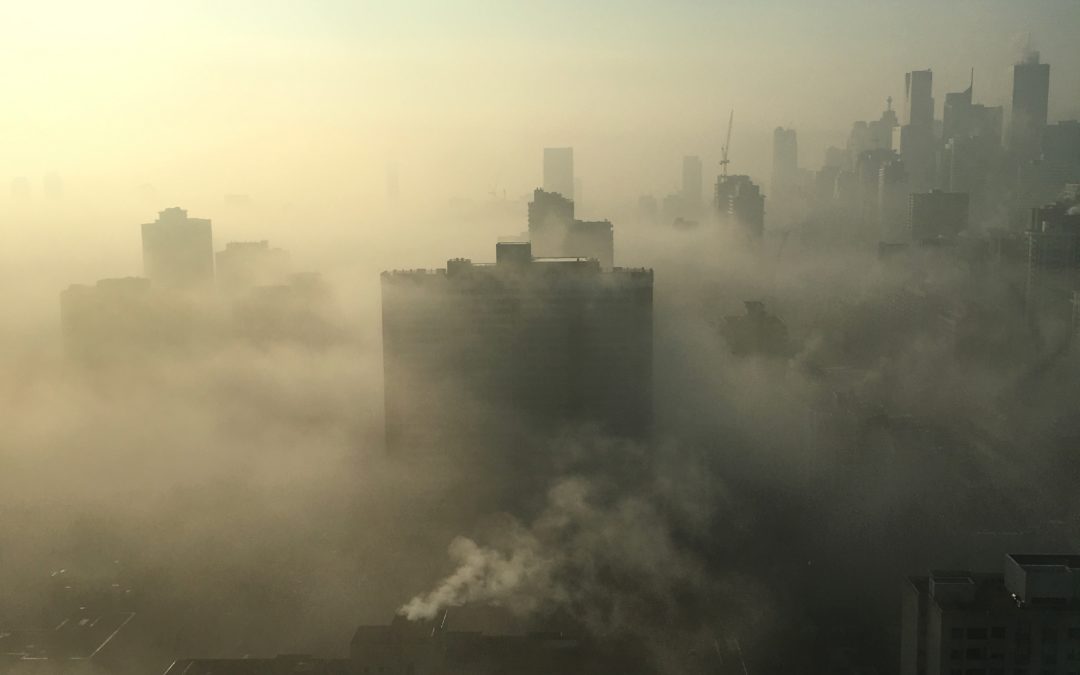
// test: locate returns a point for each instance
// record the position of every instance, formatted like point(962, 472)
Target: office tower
point(868, 177)
point(178, 251)
point(785, 162)
point(893, 201)
point(915, 138)
point(1025, 619)
point(937, 214)
point(919, 98)
point(740, 205)
point(692, 185)
point(243, 265)
point(1030, 98)
point(555, 233)
point(523, 347)
point(1053, 261)
point(1061, 147)
point(559, 171)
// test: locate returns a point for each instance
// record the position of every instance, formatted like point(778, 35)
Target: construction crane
point(724, 161)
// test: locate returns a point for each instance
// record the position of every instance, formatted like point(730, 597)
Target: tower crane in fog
point(724, 161)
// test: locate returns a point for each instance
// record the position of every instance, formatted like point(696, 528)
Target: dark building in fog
point(1053, 261)
point(541, 342)
point(178, 251)
point(692, 184)
point(937, 215)
point(740, 205)
point(785, 162)
point(1025, 619)
point(555, 233)
point(559, 171)
point(246, 264)
point(124, 321)
point(893, 200)
point(914, 139)
point(1030, 101)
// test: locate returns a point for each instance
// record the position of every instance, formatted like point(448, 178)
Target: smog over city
point(468, 337)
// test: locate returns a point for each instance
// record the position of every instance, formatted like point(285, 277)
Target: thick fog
point(243, 492)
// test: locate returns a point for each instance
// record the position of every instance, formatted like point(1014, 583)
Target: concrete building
point(555, 233)
point(529, 345)
point(1053, 256)
point(559, 171)
point(937, 215)
point(1030, 101)
point(740, 205)
point(178, 251)
point(243, 265)
point(1023, 620)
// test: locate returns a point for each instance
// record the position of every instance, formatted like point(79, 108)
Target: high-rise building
point(1030, 99)
point(740, 205)
point(915, 138)
point(523, 347)
point(692, 185)
point(919, 98)
point(559, 171)
point(937, 214)
point(1025, 619)
point(178, 251)
point(555, 233)
point(785, 161)
point(893, 201)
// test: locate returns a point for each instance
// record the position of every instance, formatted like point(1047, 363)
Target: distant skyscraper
point(544, 342)
point(919, 98)
point(785, 162)
point(178, 252)
point(244, 265)
point(559, 171)
point(691, 185)
point(893, 201)
point(915, 139)
point(1030, 98)
point(739, 204)
point(555, 233)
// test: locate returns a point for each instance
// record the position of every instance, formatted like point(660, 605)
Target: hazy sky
point(306, 103)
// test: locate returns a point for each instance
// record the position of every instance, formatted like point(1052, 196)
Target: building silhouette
point(555, 233)
point(937, 215)
point(1025, 619)
point(1030, 100)
point(785, 162)
point(178, 251)
point(740, 205)
point(914, 139)
point(244, 265)
point(544, 342)
point(692, 185)
point(1053, 255)
point(559, 171)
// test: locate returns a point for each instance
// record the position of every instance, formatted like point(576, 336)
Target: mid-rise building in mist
point(1030, 102)
point(559, 171)
point(893, 201)
point(243, 265)
point(692, 185)
point(1025, 619)
point(126, 321)
point(178, 251)
point(937, 215)
point(1053, 260)
point(740, 205)
point(785, 161)
point(555, 233)
point(523, 347)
